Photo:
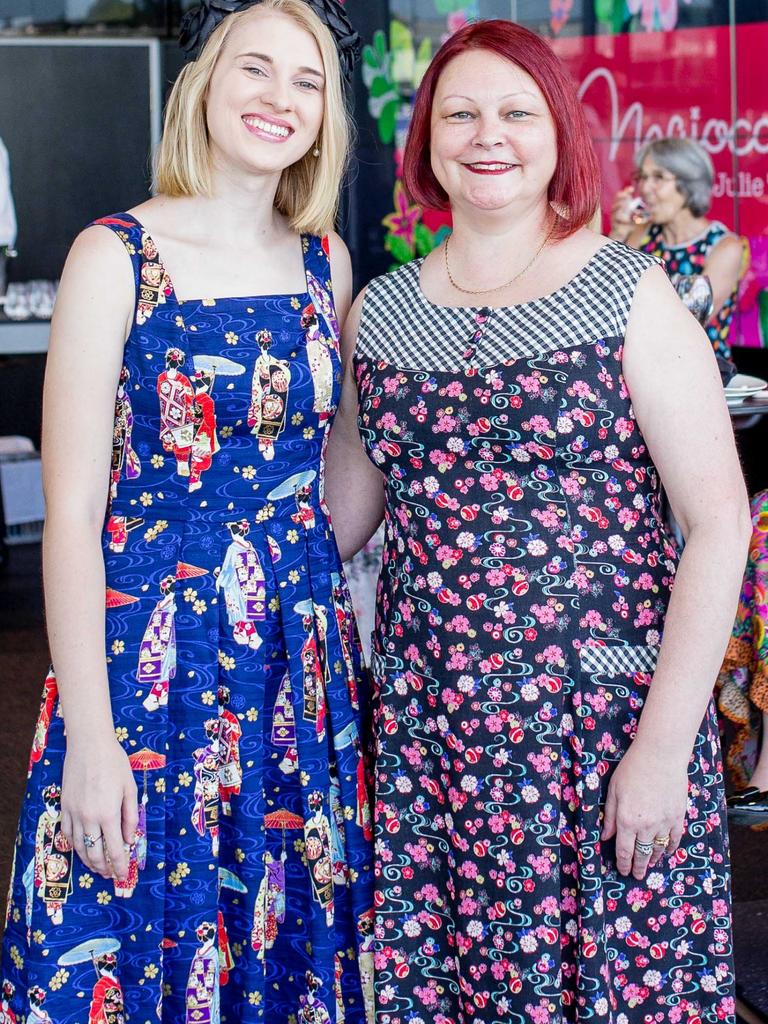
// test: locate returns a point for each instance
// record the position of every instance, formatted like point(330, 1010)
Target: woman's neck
point(240, 211)
point(683, 227)
point(484, 247)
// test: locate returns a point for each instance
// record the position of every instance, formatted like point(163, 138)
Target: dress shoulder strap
point(317, 267)
point(153, 285)
point(129, 231)
point(617, 272)
point(391, 313)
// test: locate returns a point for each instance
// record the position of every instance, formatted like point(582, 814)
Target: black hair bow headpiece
point(197, 25)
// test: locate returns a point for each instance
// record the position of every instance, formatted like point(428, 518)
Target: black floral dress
point(521, 605)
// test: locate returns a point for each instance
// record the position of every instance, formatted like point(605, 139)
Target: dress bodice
point(206, 381)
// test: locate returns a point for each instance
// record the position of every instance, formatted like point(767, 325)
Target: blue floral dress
point(236, 686)
point(521, 604)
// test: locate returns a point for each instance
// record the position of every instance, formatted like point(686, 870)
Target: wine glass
point(695, 291)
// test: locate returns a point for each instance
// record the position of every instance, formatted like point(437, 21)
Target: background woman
point(551, 828)
point(209, 777)
point(674, 180)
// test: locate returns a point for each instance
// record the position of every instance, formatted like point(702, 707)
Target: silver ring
point(646, 849)
point(90, 841)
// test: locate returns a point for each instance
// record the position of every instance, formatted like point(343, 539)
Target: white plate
point(742, 386)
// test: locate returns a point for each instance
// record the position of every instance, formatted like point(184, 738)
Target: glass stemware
point(695, 291)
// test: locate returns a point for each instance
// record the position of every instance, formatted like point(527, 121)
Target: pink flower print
point(490, 482)
point(402, 223)
point(540, 424)
point(388, 421)
point(443, 460)
point(545, 614)
point(624, 428)
point(495, 577)
point(531, 385)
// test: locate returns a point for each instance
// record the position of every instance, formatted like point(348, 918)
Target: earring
point(316, 151)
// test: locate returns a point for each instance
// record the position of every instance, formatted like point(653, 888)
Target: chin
point(489, 202)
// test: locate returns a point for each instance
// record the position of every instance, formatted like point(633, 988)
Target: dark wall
point(80, 149)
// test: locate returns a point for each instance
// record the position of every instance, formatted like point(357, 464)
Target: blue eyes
point(513, 115)
point(303, 84)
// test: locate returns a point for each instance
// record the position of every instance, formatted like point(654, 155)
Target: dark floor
point(23, 663)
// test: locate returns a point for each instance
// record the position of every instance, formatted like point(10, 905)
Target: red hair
point(574, 189)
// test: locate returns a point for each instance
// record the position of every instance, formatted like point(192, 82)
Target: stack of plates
point(741, 387)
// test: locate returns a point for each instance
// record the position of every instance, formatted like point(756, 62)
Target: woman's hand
point(99, 799)
point(647, 800)
point(622, 224)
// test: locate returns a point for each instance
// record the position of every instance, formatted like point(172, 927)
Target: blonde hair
point(308, 193)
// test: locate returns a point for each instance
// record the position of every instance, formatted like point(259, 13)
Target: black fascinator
point(199, 23)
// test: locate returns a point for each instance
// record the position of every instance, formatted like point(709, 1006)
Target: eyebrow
point(509, 95)
point(268, 60)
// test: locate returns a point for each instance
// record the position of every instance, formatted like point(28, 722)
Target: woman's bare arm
point(678, 400)
point(90, 322)
point(354, 488)
point(723, 268)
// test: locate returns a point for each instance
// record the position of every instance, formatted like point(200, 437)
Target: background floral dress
point(691, 258)
point(236, 687)
point(520, 610)
point(743, 681)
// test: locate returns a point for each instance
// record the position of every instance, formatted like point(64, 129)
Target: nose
point(277, 94)
point(488, 134)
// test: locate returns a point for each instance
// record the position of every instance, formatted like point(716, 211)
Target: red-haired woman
point(551, 831)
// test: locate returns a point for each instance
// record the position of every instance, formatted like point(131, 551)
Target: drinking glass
point(695, 291)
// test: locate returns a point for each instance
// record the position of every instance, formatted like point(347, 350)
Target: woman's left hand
point(646, 802)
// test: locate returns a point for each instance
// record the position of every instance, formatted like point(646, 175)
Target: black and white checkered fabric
point(618, 661)
point(400, 326)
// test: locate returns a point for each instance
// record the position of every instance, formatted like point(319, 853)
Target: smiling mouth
point(275, 131)
point(497, 167)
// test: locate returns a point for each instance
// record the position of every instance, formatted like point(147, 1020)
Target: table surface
point(23, 337)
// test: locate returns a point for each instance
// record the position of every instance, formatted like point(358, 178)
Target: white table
point(23, 337)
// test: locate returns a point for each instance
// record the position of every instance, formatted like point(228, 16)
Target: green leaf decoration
point(611, 14)
point(399, 248)
point(383, 97)
point(423, 60)
point(425, 240)
point(400, 36)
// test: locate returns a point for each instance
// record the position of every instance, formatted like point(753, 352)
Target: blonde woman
point(200, 741)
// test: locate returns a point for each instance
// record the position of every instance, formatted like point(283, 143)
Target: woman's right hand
point(99, 799)
point(621, 216)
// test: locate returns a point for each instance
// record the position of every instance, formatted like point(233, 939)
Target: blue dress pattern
point(237, 691)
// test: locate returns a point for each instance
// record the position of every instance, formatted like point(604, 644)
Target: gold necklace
point(499, 287)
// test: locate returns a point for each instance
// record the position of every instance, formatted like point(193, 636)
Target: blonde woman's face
point(266, 96)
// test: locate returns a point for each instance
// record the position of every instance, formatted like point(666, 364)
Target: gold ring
point(661, 840)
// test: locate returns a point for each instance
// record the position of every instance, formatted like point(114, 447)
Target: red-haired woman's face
point(493, 139)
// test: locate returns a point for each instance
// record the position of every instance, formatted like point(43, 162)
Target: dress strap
point(128, 230)
point(153, 285)
point(317, 267)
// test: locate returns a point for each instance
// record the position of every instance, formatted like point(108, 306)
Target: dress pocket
point(618, 660)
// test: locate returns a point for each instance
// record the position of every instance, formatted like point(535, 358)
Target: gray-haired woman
point(673, 178)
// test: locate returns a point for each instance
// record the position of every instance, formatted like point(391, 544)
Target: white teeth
point(265, 126)
point(491, 167)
